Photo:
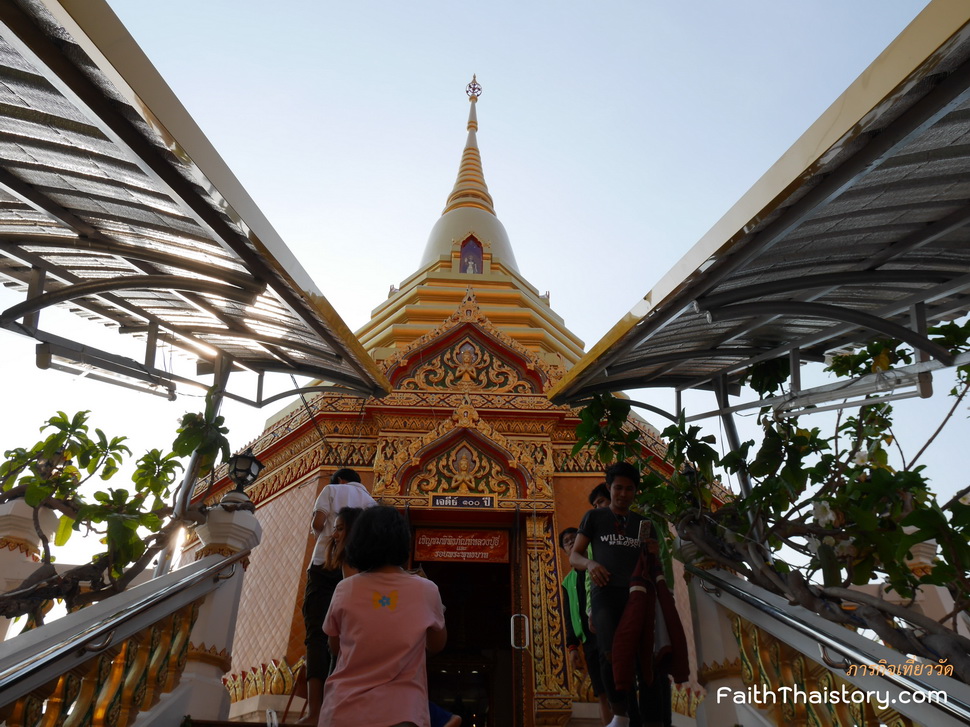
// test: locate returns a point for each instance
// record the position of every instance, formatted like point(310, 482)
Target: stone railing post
point(20, 546)
point(202, 695)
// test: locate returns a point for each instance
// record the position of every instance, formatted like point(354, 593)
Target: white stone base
point(253, 709)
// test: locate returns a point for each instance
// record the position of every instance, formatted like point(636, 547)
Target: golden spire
point(470, 188)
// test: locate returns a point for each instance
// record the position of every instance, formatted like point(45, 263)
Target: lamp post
point(244, 469)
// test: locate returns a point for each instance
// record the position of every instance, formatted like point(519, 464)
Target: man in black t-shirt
point(614, 534)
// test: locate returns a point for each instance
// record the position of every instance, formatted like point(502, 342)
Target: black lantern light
point(244, 469)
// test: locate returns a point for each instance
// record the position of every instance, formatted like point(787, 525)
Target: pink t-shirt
point(381, 677)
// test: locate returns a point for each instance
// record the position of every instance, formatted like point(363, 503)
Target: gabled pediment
point(468, 353)
point(465, 455)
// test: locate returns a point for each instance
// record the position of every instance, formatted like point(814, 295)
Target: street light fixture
point(244, 469)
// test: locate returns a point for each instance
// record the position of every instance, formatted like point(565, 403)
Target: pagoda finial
point(470, 188)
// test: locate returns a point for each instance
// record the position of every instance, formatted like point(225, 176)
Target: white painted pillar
point(20, 546)
point(201, 692)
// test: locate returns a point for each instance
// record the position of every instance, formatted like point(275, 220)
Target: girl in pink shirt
point(381, 624)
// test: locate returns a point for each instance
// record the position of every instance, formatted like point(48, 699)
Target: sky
point(613, 136)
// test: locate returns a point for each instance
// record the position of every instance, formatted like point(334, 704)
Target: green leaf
point(65, 526)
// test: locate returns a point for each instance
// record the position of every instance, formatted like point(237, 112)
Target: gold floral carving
point(350, 454)
point(462, 467)
point(464, 470)
point(210, 655)
point(468, 312)
point(548, 634)
point(468, 366)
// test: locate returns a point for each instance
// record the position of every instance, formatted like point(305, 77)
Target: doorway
point(473, 676)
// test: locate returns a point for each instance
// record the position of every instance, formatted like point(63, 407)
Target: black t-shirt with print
point(615, 540)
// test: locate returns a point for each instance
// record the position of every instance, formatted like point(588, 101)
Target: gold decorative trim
point(552, 710)
point(221, 658)
point(24, 546)
point(275, 678)
point(685, 700)
point(535, 461)
point(709, 673)
point(468, 311)
point(219, 549)
point(549, 660)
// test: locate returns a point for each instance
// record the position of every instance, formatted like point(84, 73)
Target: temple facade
point(470, 448)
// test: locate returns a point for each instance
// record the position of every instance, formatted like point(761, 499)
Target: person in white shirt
point(344, 490)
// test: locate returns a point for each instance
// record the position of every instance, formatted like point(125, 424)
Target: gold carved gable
point(468, 353)
point(469, 365)
point(463, 455)
point(465, 468)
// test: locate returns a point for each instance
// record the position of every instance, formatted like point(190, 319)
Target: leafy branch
point(828, 519)
point(133, 522)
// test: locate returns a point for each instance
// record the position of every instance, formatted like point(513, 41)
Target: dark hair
point(346, 474)
point(380, 537)
point(564, 533)
point(336, 553)
point(601, 490)
point(623, 469)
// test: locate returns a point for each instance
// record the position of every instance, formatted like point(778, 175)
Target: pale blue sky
point(613, 135)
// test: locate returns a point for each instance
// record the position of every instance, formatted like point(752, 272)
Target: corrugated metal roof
point(859, 231)
point(114, 204)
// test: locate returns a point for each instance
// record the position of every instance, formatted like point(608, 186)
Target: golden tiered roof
point(444, 276)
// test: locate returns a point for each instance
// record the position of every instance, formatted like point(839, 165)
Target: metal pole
point(720, 390)
point(223, 367)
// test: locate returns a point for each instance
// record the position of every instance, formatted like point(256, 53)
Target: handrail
point(954, 705)
point(14, 676)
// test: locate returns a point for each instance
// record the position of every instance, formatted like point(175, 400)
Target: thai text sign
point(479, 546)
point(462, 501)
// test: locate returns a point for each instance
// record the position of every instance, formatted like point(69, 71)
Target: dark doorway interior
point(472, 677)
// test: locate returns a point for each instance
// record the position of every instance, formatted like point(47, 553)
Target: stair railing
point(817, 639)
point(118, 655)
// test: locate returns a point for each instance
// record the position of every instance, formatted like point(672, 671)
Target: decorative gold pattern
point(28, 549)
point(708, 673)
point(217, 549)
point(771, 664)
point(220, 658)
point(110, 689)
point(464, 470)
point(465, 367)
point(418, 469)
point(684, 700)
point(548, 634)
point(552, 710)
point(277, 677)
point(468, 312)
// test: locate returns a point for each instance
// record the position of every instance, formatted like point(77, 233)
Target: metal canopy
point(114, 204)
point(858, 232)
